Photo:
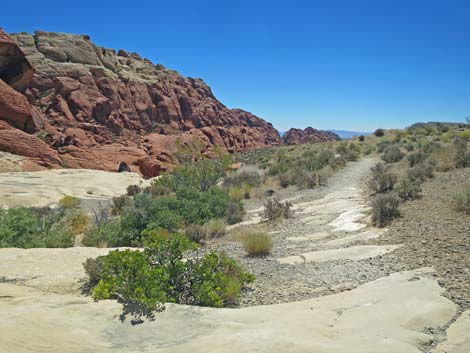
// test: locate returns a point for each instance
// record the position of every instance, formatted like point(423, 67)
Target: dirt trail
point(313, 253)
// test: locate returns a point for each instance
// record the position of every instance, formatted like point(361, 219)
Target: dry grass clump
point(257, 243)
point(462, 201)
point(69, 202)
point(215, 228)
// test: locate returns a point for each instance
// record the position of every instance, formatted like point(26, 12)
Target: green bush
point(257, 244)
point(120, 203)
point(133, 190)
point(382, 180)
point(35, 228)
point(107, 234)
point(385, 209)
point(379, 133)
point(361, 138)
point(392, 154)
point(144, 281)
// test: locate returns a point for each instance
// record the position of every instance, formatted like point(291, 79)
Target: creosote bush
point(257, 243)
point(144, 280)
point(275, 209)
point(385, 208)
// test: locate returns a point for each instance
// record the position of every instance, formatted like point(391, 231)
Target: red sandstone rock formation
point(94, 108)
point(299, 136)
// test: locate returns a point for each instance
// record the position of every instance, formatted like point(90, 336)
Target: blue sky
point(340, 64)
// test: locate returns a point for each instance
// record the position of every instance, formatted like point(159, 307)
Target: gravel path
point(324, 219)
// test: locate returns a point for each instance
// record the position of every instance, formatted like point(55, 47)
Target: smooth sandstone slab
point(458, 336)
point(362, 236)
point(43, 188)
point(385, 316)
point(348, 220)
point(351, 253)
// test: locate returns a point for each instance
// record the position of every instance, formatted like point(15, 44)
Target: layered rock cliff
point(86, 106)
point(309, 134)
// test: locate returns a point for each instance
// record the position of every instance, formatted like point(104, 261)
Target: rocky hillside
point(309, 134)
point(86, 106)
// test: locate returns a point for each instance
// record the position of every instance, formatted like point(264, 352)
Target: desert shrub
point(144, 281)
point(382, 180)
point(337, 163)
point(234, 212)
point(306, 180)
point(351, 155)
point(462, 155)
point(381, 146)
point(107, 234)
point(133, 190)
point(415, 158)
point(367, 149)
point(275, 209)
point(246, 189)
point(215, 228)
point(119, 203)
point(420, 172)
point(196, 233)
point(202, 175)
point(158, 188)
point(69, 202)
point(257, 243)
point(361, 138)
point(462, 201)
point(93, 269)
point(392, 154)
point(445, 159)
point(236, 193)
point(409, 147)
point(248, 177)
point(284, 179)
point(34, 227)
point(379, 133)
point(385, 208)
point(408, 189)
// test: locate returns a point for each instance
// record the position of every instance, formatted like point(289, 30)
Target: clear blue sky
point(340, 64)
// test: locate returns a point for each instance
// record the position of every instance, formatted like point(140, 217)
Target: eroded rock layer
point(92, 107)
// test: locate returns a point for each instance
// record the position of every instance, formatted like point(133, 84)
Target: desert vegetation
point(143, 281)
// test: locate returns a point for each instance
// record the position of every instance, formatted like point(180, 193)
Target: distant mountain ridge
point(345, 134)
